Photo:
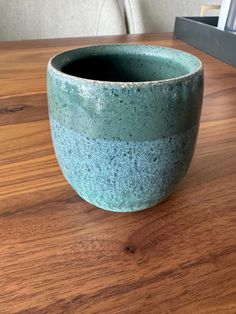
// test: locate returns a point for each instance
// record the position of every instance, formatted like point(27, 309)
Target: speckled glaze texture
point(124, 146)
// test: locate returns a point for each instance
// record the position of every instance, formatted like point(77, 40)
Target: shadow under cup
point(124, 121)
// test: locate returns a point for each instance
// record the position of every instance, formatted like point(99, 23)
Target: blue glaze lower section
point(122, 175)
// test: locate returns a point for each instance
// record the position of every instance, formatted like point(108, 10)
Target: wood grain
point(59, 254)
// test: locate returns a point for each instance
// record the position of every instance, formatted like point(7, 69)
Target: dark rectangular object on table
point(202, 33)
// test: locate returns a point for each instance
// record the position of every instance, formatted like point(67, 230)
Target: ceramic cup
point(124, 121)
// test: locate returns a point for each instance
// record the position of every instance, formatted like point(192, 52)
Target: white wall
point(27, 19)
point(149, 16)
point(32, 19)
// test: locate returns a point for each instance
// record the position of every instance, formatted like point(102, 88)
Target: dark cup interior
point(125, 63)
point(124, 68)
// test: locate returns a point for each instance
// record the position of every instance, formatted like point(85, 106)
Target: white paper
point(224, 10)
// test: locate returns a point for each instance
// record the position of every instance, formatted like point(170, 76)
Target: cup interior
point(126, 63)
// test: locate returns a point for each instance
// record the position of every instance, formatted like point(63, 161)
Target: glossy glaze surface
point(124, 146)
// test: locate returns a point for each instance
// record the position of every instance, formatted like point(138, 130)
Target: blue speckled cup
point(124, 121)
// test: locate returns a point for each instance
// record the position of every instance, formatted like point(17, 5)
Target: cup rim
point(78, 79)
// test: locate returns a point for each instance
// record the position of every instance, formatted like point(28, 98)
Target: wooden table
point(59, 254)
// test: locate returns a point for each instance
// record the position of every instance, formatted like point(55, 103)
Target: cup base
point(144, 206)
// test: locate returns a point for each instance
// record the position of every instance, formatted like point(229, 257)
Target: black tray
point(202, 33)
